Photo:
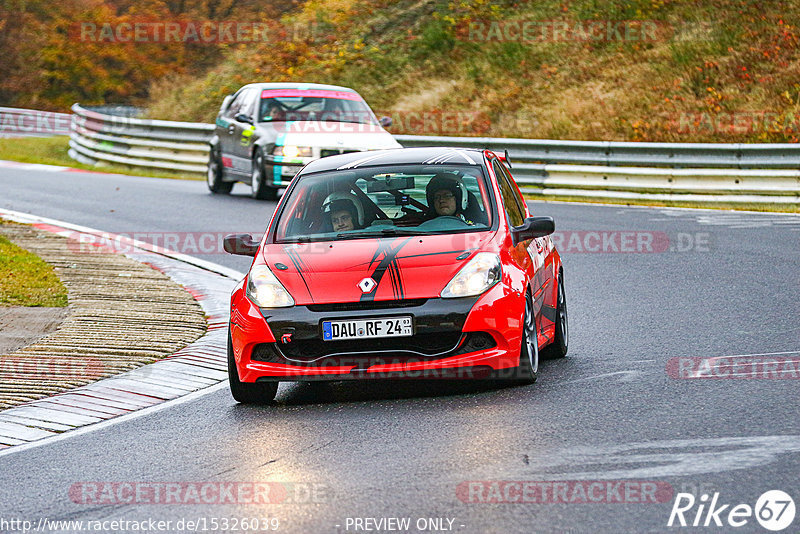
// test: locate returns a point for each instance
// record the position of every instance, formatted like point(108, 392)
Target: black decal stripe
point(388, 255)
point(417, 256)
point(393, 279)
point(298, 264)
point(397, 280)
point(400, 280)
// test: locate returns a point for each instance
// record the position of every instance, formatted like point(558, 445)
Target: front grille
point(325, 152)
point(368, 305)
point(425, 344)
point(363, 353)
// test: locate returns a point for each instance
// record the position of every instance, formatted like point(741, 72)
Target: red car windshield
point(317, 105)
point(385, 201)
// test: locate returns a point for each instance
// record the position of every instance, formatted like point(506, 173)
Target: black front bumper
point(438, 333)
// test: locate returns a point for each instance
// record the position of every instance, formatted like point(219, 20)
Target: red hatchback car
point(417, 263)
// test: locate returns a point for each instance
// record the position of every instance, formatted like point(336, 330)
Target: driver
point(275, 112)
point(445, 195)
point(345, 211)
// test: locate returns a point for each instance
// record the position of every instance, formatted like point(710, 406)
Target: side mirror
point(243, 117)
point(386, 122)
point(240, 244)
point(531, 228)
point(226, 102)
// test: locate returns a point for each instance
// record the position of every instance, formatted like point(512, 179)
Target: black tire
point(259, 188)
point(528, 370)
point(214, 175)
point(558, 348)
point(257, 393)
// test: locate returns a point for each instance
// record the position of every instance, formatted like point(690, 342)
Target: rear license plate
point(367, 328)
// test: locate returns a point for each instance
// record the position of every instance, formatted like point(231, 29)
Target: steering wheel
point(452, 218)
point(442, 222)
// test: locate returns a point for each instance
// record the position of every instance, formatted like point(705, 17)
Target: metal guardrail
point(169, 145)
point(16, 122)
point(613, 153)
point(692, 172)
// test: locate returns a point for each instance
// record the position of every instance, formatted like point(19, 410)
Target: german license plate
point(367, 328)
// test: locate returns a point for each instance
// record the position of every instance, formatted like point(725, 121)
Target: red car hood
point(405, 267)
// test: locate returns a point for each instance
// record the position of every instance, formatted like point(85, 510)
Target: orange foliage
point(48, 63)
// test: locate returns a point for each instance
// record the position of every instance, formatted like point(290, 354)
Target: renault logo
point(367, 285)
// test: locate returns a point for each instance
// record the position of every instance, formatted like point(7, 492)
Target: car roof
point(397, 156)
point(299, 85)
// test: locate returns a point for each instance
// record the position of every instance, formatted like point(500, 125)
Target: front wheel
point(558, 348)
point(528, 369)
point(259, 189)
point(257, 393)
point(214, 176)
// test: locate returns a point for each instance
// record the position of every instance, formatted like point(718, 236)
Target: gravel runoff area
point(122, 314)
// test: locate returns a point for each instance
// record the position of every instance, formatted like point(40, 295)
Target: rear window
point(387, 200)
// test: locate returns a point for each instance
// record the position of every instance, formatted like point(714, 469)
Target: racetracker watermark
point(735, 122)
point(560, 31)
point(439, 122)
point(150, 524)
point(431, 122)
point(566, 241)
point(192, 243)
point(188, 31)
point(50, 368)
point(170, 493)
point(29, 122)
point(759, 367)
point(629, 241)
point(564, 492)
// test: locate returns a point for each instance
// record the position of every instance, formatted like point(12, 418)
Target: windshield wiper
point(383, 232)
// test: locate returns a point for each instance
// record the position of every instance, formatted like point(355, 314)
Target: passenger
point(345, 211)
point(445, 195)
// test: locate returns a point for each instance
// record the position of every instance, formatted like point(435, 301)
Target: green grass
point(26, 280)
point(54, 151)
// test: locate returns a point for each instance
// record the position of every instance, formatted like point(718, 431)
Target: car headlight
point(265, 290)
point(482, 272)
point(291, 151)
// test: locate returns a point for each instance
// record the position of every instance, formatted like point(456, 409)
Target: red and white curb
point(36, 167)
point(42, 167)
point(193, 369)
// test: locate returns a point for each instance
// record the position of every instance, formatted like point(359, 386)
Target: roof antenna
point(508, 161)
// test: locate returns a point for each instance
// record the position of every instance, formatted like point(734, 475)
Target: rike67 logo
point(774, 510)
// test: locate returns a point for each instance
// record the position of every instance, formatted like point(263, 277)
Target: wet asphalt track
point(607, 412)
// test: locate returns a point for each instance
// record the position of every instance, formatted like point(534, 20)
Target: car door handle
point(231, 129)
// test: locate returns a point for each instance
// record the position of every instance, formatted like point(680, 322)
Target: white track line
point(201, 276)
point(119, 419)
